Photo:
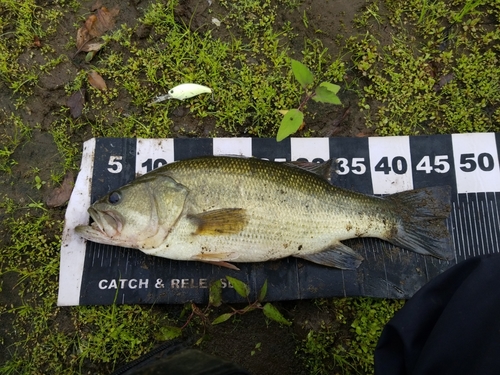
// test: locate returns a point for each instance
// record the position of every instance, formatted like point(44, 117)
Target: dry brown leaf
point(96, 81)
point(105, 21)
point(60, 195)
point(96, 6)
point(92, 47)
point(82, 38)
point(36, 41)
point(95, 26)
point(90, 26)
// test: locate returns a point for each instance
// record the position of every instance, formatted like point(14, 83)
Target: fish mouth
point(109, 223)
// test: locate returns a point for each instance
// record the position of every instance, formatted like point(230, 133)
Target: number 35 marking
point(357, 166)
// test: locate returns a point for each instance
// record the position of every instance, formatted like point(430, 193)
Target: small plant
point(37, 182)
point(244, 291)
point(215, 300)
point(325, 92)
point(256, 349)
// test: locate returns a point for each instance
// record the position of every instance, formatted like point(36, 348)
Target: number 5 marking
point(115, 164)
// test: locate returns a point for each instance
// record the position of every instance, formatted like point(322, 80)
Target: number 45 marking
point(440, 164)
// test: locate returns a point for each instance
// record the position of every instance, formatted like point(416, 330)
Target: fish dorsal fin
point(337, 255)
point(323, 169)
point(221, 221)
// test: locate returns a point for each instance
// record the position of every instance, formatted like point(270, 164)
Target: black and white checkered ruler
point(101, 274)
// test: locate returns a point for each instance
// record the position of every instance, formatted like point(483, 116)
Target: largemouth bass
point(231, 209)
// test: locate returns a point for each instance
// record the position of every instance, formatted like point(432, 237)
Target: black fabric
point(450, 326)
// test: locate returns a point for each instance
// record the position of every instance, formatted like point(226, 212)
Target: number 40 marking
point(440, 164)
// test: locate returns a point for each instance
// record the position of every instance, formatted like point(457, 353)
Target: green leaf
point(168, 333)
point(262, 292)
point(290, 124)
point(273, 313)
point(324, 95)
point(330, 87)
point(222, 318)
point(302, 73)
point(241, 288)
point(215, 294)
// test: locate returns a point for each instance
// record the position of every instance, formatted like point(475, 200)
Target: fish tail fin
point(422, 221)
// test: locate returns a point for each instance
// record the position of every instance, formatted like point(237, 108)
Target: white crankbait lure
point(184, 91)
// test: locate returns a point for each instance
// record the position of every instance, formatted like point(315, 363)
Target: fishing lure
point(183, 91)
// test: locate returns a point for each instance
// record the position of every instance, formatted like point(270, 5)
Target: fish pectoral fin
point(338, 255)
point(221, 221)
point(217, 259)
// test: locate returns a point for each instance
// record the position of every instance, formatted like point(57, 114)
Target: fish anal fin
point(221, 221)
point(337, 255)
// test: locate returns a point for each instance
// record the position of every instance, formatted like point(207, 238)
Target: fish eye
point(171, 91)
point(114, 197)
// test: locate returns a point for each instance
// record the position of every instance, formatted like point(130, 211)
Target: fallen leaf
point(96, 6)
point(105, 21)
point(60, 195)
point(82, 38)
point(76, 102)
point(36, 41)
point(96, 81)
point(95, 26)
point(90, 26)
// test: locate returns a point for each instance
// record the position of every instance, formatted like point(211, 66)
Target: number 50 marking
point(469, 163)
point(440, 164)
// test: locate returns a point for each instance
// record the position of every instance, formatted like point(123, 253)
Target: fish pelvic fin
point(221, 221)
point(222, 264)
point(337, 255)
point(217, 259)
point(422, 217)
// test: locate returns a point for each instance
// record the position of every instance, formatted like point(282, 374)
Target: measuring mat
point(96, 274)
